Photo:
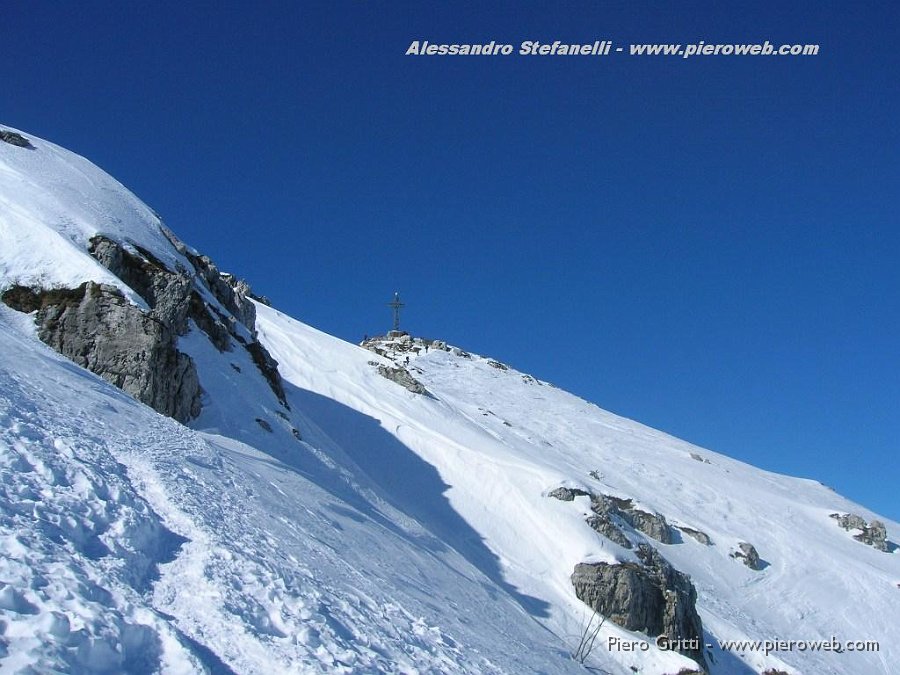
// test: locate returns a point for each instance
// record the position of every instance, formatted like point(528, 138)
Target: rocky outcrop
point(654, 525)
point(613, 515)
point(747, 554)
point(16, 139)
point(135, 349)
point(174, 297)
point(171, 294)
point(402, 377)
point(268, 367)
point(605, 526)
point(99, 329)
point(649, 596)
point(567, 494)
point(625, 593)
point(873, 534)
point(698, 535)
point(232, 292)
point(850, 521)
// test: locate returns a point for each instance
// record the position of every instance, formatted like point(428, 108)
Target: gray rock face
point(233, 293)
point(603, 525)
point(99, 329)
point(874, 534)
point(652, 597)
point(654, 525)
point(567, 494)
point(850, 521)
point(402, 377)
point(174, 298)
point(702, 537)
point(13, 138)
point(171, 295)
point(624, 593)
point(268, 367)
point(680, 619)
point(747, 554)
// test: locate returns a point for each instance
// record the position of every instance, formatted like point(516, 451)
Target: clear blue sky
point(709, 246)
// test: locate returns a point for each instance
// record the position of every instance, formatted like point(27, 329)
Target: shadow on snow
point(403, 479)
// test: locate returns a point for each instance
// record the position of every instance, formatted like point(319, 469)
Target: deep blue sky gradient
point(709, 246)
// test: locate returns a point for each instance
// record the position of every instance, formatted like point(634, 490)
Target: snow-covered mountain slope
point(327, 518)
point(134, 544)
point(501, 440)
point(52, 202)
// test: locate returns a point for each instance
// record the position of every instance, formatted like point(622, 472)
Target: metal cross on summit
point(396, 305)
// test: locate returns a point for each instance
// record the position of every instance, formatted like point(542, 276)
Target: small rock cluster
point(612, 510)
point(649, 595)
point(401, 376)
point(612, 516)
point(747, 554)
point(14, 138)
point(873, 534)
point(697, 535)
point(399, 347)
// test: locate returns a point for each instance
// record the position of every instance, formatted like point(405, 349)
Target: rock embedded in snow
point(402, 377)
point(16, 139)
point(654, 525)
point(873, 534)
point(697, 535)
point(96, 327)
point(651, 596)
point(566, 494)
point(602, 524)
point(747, 554)
point(850, 521)
point(136, 350)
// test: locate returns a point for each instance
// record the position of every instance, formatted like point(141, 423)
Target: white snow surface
point(362, 528)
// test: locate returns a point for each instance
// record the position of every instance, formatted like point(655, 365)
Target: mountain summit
point(192, 481)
